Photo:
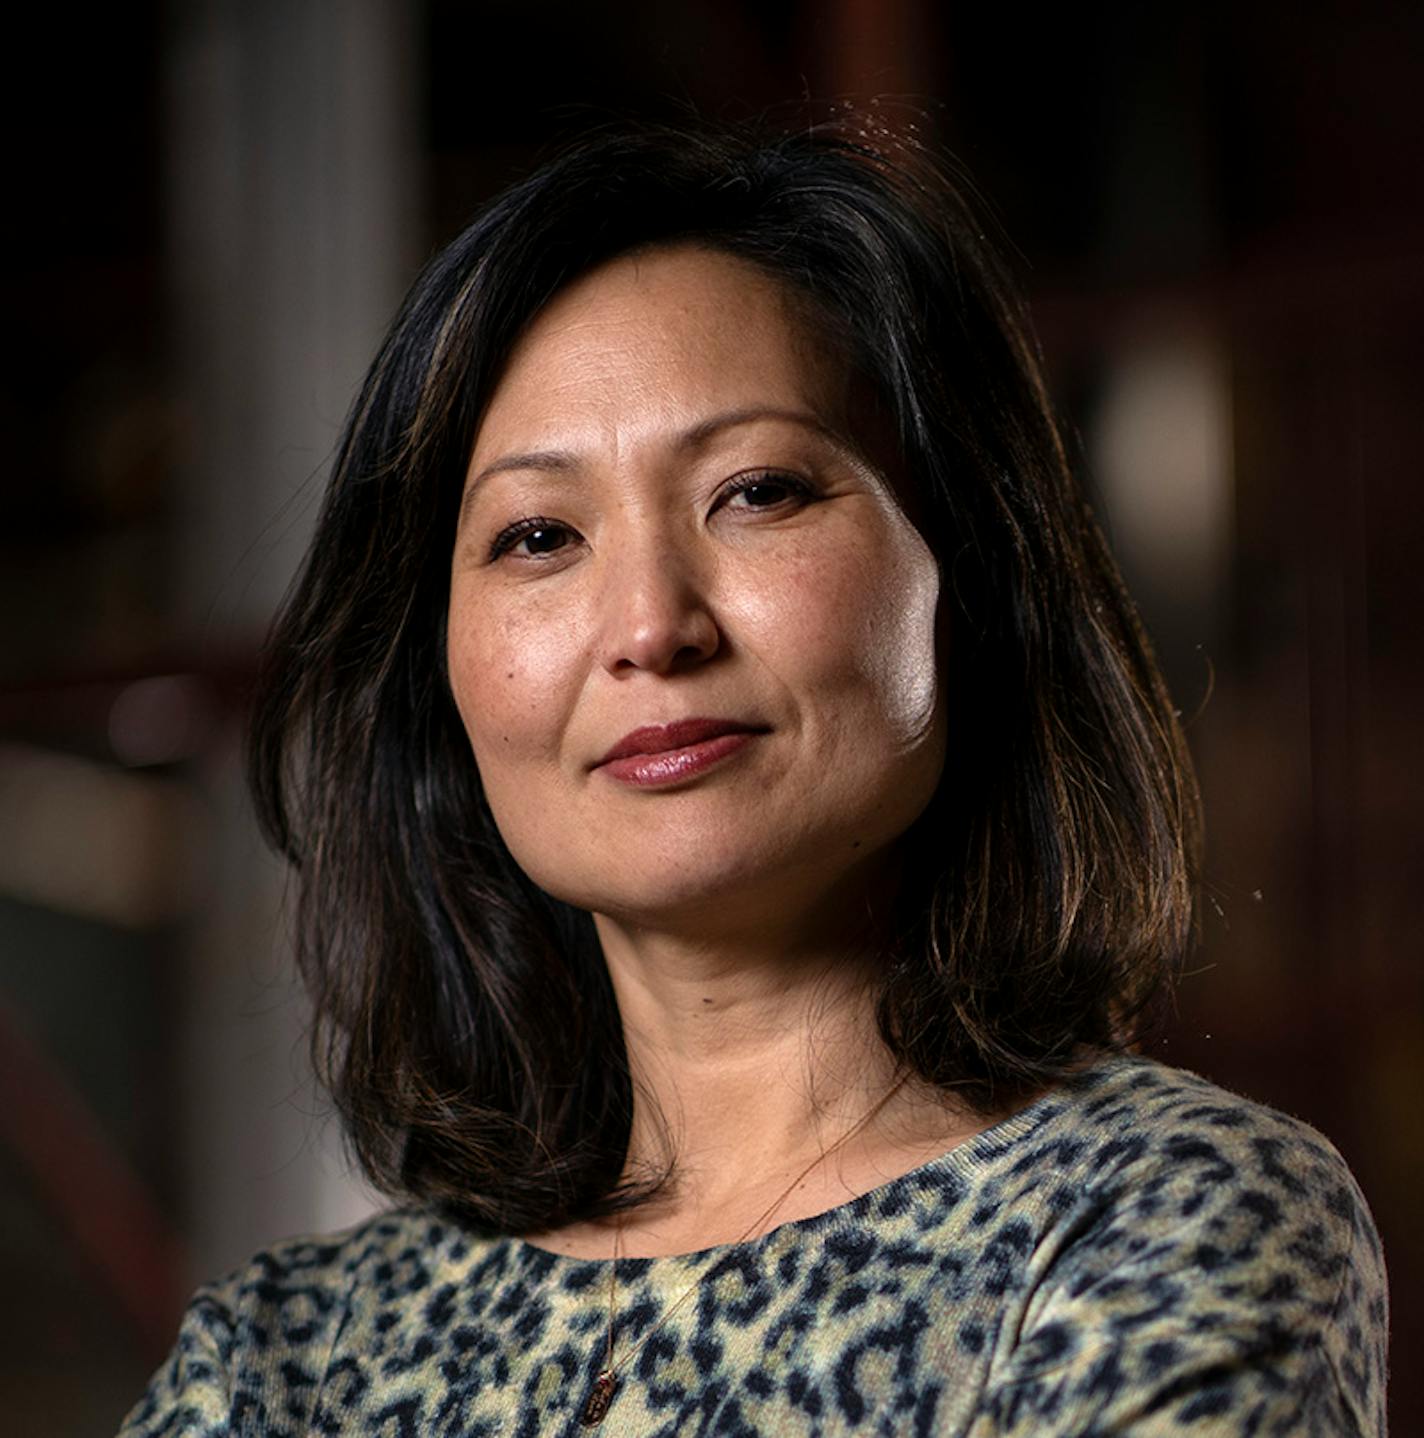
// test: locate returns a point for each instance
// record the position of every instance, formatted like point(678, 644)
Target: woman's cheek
point(910, 657)
point(508, 658)
point(875, 627)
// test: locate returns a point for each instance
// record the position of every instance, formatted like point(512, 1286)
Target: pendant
point(594, 1411)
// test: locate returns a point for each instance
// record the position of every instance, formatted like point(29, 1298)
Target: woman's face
point(691, 632)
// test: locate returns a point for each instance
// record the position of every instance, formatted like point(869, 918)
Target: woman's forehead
point(665, 339)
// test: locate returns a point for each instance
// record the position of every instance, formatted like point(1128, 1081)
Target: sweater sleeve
point(252, 1349)
point(191, 1394)
point(1204, 1288)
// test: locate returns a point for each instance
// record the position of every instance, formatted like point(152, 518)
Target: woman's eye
point(532, 538)
point(767, 491)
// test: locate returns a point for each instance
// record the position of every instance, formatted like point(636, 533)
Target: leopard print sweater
point(1139, 1253)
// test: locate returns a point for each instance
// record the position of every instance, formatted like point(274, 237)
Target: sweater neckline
point(963, 1158)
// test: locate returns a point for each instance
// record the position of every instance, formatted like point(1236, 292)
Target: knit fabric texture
point(1139, 1252)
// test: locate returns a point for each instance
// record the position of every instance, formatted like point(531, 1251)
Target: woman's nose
point(657, 615)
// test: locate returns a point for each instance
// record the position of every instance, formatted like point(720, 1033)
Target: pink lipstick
point(663, 754)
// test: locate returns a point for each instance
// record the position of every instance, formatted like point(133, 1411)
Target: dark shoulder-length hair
point(465, 1022)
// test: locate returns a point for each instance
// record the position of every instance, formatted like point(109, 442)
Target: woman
point(741, 829)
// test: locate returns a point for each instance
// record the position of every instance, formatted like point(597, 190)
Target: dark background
point(1216, 211)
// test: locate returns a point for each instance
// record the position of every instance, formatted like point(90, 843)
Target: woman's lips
point(664, 754)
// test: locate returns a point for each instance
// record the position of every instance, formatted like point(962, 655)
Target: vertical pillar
point(294, 197)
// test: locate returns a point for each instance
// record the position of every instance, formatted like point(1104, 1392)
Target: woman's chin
point(700, 901)
point(741, 895)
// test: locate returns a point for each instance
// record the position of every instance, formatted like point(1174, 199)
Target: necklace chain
point(606, 1384)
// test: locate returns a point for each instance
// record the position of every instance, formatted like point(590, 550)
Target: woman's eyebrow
point(707, 429)
point(550, 461)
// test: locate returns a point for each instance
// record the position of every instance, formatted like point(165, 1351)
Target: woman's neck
point(743, 1058)
point(750, 1062)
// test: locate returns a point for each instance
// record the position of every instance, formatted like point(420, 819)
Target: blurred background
point(1217, 213)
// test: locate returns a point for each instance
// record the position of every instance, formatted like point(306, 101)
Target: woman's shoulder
point(1193, 1245)
point(1128, 1108)
point(280, 1311)
point(296, 1289)
point(1135, 1135)
point(394, 1247)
